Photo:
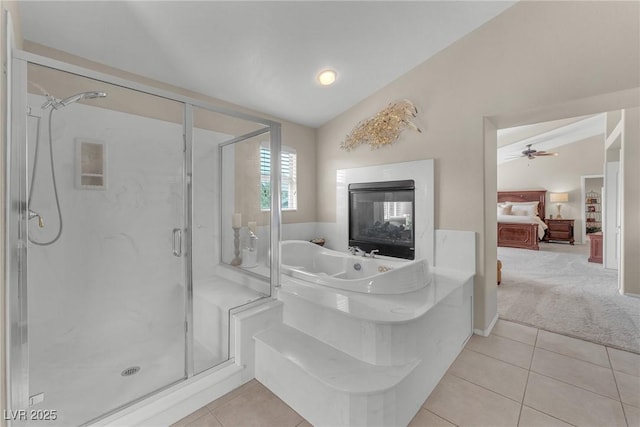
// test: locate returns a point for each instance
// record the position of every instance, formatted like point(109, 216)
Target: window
point(397, 209)
point(289, 188)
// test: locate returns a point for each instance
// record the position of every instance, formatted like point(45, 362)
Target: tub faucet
point(354, 250)
point(373, 252)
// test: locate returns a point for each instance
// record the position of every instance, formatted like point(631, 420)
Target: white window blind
point(288, 166)
point(396, 209)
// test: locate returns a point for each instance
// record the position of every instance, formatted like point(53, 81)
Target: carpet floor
point(558, 290)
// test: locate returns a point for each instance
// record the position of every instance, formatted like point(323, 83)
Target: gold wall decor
point(383, 128)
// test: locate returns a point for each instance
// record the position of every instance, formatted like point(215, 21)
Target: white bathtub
point(365, 356)
point(381, 275)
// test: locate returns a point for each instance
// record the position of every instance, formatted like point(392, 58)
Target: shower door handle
point(177, 242)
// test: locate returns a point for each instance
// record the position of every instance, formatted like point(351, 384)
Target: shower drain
point(130, 371)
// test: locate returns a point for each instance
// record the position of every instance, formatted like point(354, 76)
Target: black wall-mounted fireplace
point(381, 216)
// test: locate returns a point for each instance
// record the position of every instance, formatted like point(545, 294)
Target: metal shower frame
point(16, 220)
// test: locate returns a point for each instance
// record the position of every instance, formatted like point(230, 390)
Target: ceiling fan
point(530, 153)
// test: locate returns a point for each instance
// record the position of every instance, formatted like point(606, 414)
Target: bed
point(519, 230)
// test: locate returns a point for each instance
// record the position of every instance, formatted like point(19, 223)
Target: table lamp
point(559, 198)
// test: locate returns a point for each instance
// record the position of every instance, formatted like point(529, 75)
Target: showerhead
point(83, 95)
point(53, 102)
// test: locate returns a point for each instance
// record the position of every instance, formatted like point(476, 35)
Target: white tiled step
point(312, 376)
point(332, 367)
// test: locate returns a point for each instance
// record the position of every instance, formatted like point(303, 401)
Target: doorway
point(557, 288)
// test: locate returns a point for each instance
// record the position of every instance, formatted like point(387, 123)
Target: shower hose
point(53, 178)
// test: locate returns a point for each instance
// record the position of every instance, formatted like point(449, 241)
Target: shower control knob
point(33, 214)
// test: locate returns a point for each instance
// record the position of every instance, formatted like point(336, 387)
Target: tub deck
point(380, 308)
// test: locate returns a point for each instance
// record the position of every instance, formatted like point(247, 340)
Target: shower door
point(107, 179)
point(107, 311)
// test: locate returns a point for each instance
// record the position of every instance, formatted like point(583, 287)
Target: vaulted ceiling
point(260, 55)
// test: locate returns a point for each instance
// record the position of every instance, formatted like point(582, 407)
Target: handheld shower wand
point(80, 96)
point(54, 104)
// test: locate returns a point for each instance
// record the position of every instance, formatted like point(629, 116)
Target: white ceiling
point(261, 55)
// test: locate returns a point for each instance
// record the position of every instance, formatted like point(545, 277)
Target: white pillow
point(522, 212)
point(504, 209)
point(524, 208)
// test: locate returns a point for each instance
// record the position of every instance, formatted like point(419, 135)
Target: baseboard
point(629, 294)
point(486, 332)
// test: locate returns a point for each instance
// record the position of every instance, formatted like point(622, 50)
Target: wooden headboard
point(525, 196)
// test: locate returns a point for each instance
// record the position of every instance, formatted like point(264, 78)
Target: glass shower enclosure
point(131, 238)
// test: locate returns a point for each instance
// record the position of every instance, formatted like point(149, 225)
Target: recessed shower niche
point(91, 164)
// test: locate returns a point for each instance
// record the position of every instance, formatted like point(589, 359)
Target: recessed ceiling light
point(327, 77)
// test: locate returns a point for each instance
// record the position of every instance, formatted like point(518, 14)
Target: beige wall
point(631, 202)
point(535, 54)
point(557, 175)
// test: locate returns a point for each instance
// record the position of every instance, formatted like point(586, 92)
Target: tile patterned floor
point(518, 376)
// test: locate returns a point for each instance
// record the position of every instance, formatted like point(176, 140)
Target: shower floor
point(82, 388)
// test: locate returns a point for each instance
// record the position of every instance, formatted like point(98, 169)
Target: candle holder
point(236, 247)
